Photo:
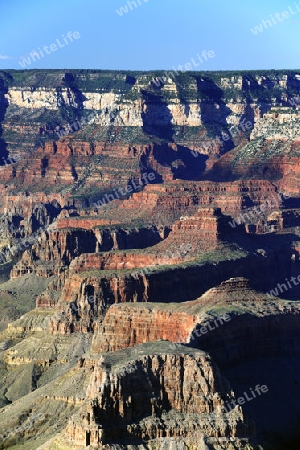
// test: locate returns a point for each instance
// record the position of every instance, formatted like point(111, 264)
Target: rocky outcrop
point(257, 329)
point(208, 225)
point(275, 124)
point(272, 152)
point(87, 294)
point(126, 326)
point(54, 249)
point(186, 198)
point(142, 401)
point(199, 324)
point(126, 258)
point(133, 112)
point(280, 220)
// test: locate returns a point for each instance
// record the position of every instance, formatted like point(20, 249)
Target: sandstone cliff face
point(259, 326)
point(175, 105)
point(71, 164)
point(56, 248)
point(186, 198)
point(198, 324)
point(89, 159)
point(131, 111)
point(126, 326)
point(155, 393)
point(189, 133)
point(146, 399)
point(53, 252)
point(272, 152)
point(108, 105)
point(207, 225)
point(64, 240)
point(276, 124)
point(86, 295)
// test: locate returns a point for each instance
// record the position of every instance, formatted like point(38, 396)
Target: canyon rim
point(149, 225)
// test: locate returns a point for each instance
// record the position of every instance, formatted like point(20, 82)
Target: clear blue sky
point(158, 34)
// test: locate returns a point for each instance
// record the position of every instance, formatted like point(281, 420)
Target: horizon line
point(149, 70)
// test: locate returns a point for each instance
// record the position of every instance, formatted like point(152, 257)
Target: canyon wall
point(124, 197)
point(119, 412)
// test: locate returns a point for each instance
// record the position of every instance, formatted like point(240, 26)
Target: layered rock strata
point(199, 324)
point(141, 403)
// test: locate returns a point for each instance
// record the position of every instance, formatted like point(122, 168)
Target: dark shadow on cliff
point(268, 261)
point(227, 169)
point(193, 166)
point(146, 388)
point(3, 108)
point(292, 202)
point(68, 111)
point(281, 260)
point(247, 117)
point(214, 111)
point(70, 83)
point(178, 159)
point(157, 119)
point(253, 350)
point(276, 413)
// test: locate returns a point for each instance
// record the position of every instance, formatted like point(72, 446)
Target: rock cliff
point(152, 408)
point(147, 218)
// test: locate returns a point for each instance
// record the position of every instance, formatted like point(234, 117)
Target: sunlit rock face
point(148, 223)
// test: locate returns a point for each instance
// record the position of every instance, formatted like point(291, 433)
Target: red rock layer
point(126, 326)
point(92, 292)
point(118, 261)
point(208, 224)
point(282, 170)
point(186, 198)
point(68, 161)
point(56, 248)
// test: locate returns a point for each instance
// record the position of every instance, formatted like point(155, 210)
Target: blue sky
point(156, 34)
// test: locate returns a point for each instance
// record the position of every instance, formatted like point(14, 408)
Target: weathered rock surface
point(142, 400)
point(203, 322)
point(154, 196)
